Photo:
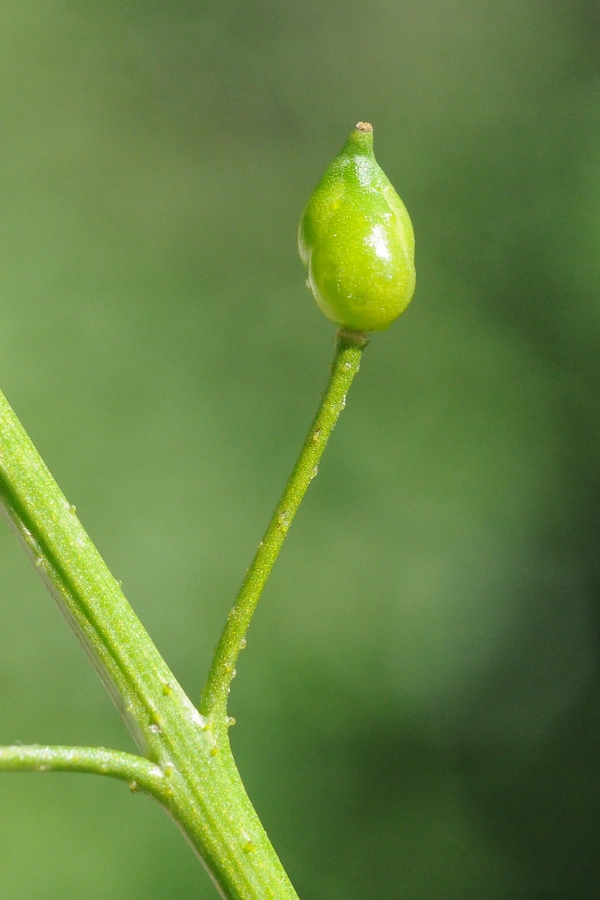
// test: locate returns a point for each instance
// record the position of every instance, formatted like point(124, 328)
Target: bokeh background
point(418, 707)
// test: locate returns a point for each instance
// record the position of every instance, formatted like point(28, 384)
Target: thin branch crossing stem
point(346, 363)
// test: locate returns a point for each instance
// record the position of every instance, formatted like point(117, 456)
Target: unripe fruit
point(356, 240)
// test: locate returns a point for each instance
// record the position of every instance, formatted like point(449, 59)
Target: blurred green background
point(419, 706)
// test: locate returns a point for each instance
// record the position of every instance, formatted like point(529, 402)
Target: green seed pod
point(356, 240)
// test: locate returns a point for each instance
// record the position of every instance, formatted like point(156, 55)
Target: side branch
point(346, 363)
point(139, 772)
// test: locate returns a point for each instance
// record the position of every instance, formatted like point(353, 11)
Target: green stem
point(189, 765)
point(138, 772)
point(346, 363)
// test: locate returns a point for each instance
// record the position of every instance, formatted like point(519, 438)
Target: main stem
point(346, 364)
